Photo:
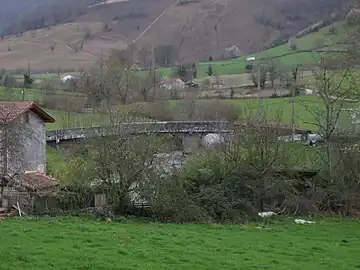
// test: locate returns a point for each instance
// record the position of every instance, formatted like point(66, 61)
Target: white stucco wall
point(30, 150)
point(35, 143)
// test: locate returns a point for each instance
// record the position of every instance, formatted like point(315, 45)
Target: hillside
point(196, 29)
point(12, 9)
point(282, 55)
point(207, 27)
point(101, 29)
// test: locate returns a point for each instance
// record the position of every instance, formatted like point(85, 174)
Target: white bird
point(301, 221)
point(266, 214)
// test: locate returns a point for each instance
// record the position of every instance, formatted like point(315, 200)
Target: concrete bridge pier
point(191, 143)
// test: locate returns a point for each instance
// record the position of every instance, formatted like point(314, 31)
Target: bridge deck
point(184, 127)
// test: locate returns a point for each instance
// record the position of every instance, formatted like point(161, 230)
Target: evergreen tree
point(27, 80)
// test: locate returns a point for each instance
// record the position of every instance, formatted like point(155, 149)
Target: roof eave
point(42, 114)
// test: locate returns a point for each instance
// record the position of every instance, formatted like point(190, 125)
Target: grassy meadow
point(72, 243)
point(37, 95)
point(275, 109)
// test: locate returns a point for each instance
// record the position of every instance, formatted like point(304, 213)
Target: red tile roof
point(38, 181)
point(10, 110)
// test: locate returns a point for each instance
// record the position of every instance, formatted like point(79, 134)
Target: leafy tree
point(181, 71)
point(194, 70)
point(166, 55)
point(28, 80)
point(210, 70)
point(255, 76)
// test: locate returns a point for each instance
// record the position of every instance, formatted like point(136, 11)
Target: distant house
point(250, 58)
point(233, 51)
point(306, 92)
point(172, 84)
point(67, 78)
point(22, 137)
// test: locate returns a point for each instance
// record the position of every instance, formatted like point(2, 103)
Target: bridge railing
point(142, 128)
point(157, 127)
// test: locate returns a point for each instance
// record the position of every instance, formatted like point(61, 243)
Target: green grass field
point(66, 120)
point(45, 76)
point(36, 95)
point(279, 109)
point(71, 243)
point(346, 81)
point(276, 110)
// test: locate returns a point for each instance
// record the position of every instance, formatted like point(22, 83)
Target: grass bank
point(71, 243)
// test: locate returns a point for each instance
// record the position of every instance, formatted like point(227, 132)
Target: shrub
point(64, 102)
point(332, 30)
point(231, 185)
point(353, 17)
point(292, 43)
point(71, 197)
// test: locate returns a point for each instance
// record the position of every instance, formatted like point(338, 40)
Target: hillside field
point(73, 243)
point(196, 29)
point(283, 55)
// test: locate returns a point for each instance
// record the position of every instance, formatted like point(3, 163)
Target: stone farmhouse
point(22, 137)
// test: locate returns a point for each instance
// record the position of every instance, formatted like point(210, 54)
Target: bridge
point(190, 132)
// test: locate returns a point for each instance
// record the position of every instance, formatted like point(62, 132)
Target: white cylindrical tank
point(212, 140)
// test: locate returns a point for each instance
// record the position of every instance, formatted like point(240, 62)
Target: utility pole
point(153, 67)
point(259, 91)
point(102, 85)
point(294, 88)
point(28, 69)
point(101, 66)
point(28, 76)
point(293, 111)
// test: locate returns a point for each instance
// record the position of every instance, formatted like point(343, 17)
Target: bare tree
point(122, 162)
point(334, 93)
point(261, 70)
point(116, 80)
point(166, 55)
point(144, 56)
point(292, 43)
point(145, 86)
point(273, 68)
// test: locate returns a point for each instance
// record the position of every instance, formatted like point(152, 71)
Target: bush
point(215, 110)
point(353, 17)
point(63, 102)
point(210, 110)
point(292, 43)
point(71, 198)
point(232, 185)
point(332, 30)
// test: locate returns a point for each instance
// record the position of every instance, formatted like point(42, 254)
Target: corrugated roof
point(38, 181)
point(10, 110)
point(32, 181)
